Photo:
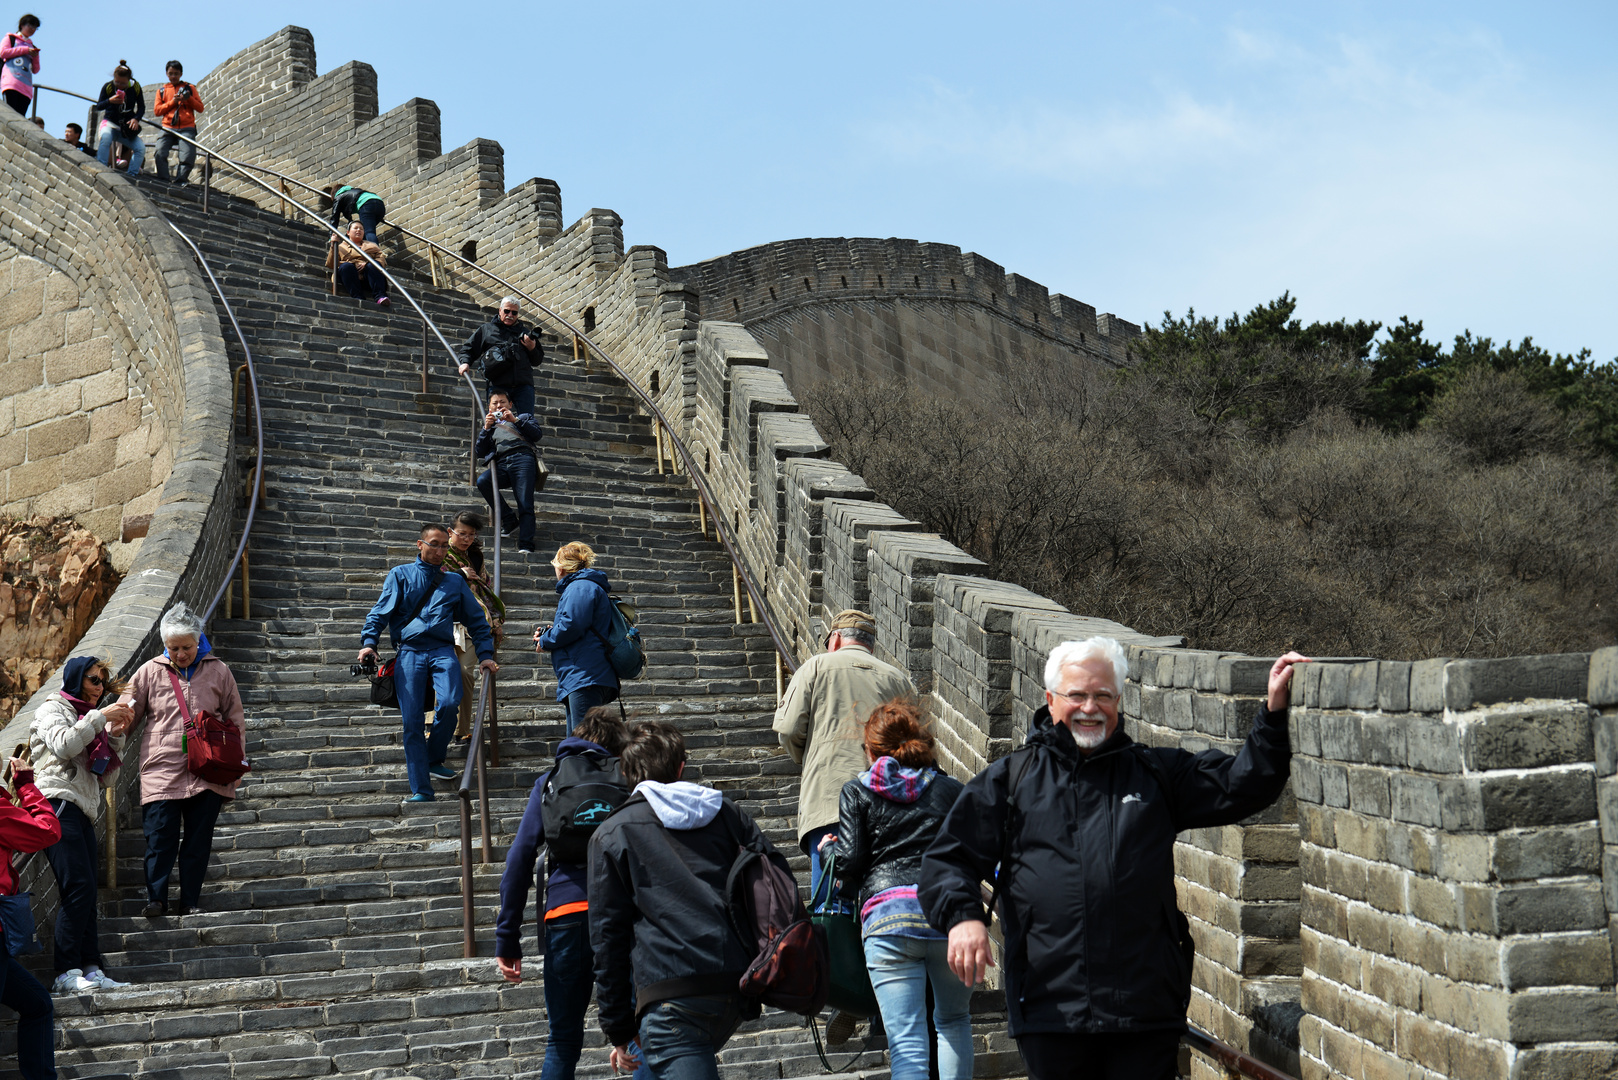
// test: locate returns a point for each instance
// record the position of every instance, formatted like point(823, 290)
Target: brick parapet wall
point(80, 219)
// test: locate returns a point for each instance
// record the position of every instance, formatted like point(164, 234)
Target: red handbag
point(213, 747)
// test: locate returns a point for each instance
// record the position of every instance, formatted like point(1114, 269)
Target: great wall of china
point(1437, 896)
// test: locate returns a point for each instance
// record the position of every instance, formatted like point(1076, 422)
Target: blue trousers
point(36, 1018)
point(838, 904)
point(371, 213)
point(582, 701)
point(137, 148)
point(162, 821)
point(348, 275)
point(519, 472)
point(73, 861)
point(418, 671)
point(569, 981)
point(900, 970)
point(679, 1037)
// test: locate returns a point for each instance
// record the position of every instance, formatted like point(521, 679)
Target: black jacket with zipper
point(880, 842)
point(659, 921)
point(1095, 941)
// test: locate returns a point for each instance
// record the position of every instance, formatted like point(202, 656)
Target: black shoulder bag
point(383, 690)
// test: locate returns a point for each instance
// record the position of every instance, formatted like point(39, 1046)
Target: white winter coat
point(59, 739)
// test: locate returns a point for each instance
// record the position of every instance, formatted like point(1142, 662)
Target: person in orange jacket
point(178, 104)
point(27, 823)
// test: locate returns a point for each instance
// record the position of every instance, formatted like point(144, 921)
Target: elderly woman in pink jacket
point(172, 796)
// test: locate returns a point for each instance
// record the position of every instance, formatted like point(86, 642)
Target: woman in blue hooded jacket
point(577, 639)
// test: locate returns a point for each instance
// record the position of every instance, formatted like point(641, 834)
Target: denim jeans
point(418, 671)
point(569, 981)
point(348, 275)
point(900, 969)
point(188, 153)
point(73, 861)
point(582, 701)
point(137, 148)
point(817, 869)
point(162, 821)
point(36, 1018)
point(370, 213)
point(679, 1037)
point(518, 473)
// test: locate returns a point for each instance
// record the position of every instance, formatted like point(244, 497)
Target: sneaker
point(155, 909)
point(441, 772)
point(72, 981)
point(383, 301)
point(840, 1028)
point(421, 798)
point(525, 551)
point(102, 980)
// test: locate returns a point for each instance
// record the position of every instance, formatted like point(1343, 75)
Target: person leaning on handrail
point(887, 817)
point(173, 797)
point(77, 738)
point(21, 58)
point(26, 824)
point(348, 201)
point(506, 350)
point(1081, 821)
point(465, 557)
point(177, 103)
point(122, 105)
point(509, 446)
point(351, 265)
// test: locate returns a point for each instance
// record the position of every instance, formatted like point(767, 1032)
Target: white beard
point(1088, 738)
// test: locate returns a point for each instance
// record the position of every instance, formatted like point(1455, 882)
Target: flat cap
point(854, 620)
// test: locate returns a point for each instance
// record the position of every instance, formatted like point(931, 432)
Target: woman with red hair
point(888, 816)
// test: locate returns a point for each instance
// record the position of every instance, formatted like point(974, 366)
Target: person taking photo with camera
point(507, 446)
point(505, 349)
point(178, 104)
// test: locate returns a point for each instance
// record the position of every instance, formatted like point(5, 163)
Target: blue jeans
point(36, 1018)
point(569, 981)
point(518, 472)
point(370, 213)
point(166, 142)
point(839, 904)
point(137, 148)
point(522, 397)
point(418, 671)
point(900, 968)
point(161, 821)
point(348, 275)
point(679, 1037)
point(582, 701)
point(73, 861)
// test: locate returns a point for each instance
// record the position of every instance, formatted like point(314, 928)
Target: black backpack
point(578, 795)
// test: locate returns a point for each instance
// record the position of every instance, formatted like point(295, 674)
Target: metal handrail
point(1231, 1058)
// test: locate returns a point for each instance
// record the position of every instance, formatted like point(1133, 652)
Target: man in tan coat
point(821, 722)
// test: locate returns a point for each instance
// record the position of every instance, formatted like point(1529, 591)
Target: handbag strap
point(179, 694)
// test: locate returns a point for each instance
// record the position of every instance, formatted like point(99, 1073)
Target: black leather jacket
point(880, 842)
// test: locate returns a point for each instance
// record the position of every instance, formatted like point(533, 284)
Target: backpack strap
point(1015, 774)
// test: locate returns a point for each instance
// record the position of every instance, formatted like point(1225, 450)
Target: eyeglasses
point(1078, 697)
point(508, 311)
point(95, 680)
point(435, 543)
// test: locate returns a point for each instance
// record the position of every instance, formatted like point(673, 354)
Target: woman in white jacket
point(72, 764)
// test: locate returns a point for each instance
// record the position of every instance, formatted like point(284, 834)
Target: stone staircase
point(331, 938)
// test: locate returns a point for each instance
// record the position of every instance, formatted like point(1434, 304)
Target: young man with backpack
point(669, 959)
point(568, 804)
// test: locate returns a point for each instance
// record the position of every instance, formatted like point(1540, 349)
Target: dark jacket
point(567, 883)
point(659, 923)
point(881, 837)
point(133, 108)
point(345, 202)
point(577, 639)
point(476, 351)
point(1093, 933)
point(452, 602)
point(525, 426)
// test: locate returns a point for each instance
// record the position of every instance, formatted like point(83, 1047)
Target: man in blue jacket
point(569, 968)
point(421, 605)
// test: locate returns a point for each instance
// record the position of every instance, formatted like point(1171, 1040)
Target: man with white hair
point(505, 349)
point(1081, 821)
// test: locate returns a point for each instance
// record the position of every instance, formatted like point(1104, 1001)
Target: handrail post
point(483, 799)
point(207, 180)
point(657, 441)
point(247, 599)
point(469, 946)
point(702, 516)
point(575, 348)
point(432, 265)
point(112, 838)
point(779, 687)
point(494, 725)
point(333, 242)
point(736, 590)
point(424, 356)
point(283, 196)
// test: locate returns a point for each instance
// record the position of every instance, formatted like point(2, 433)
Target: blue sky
point(1451, 162)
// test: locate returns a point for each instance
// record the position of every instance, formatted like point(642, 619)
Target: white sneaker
point(72, 981)
point(102, 980)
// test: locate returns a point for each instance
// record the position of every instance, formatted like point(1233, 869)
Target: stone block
point(1602, 687)
point(1415, 799)
point(1393, 685)
point(1548, 908)
point(104, 389)
point(20, 376)
point(78, 360)
point(47, 403)
point(1564, 1016)
point(1382, 739)
point(1550, 852)
point(57, 437)
point(1427, 685)
point(1527, 736)
point(1581, 959)
point(1340, 736)
point(1559, 797)
point(26, 481)
point(1243, 675)
point(1362, 680)
point(1432, 745)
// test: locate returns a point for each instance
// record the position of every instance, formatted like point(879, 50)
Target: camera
point(367, 668)
point(184, 92)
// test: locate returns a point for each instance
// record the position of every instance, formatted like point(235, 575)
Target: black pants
point(162, 821)
point(1150, 1055)
point(73, 860)
point(348, 275)
point(18, 100)
point(36, 1026)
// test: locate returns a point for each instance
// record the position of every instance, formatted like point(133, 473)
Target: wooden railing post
point(112, 838)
